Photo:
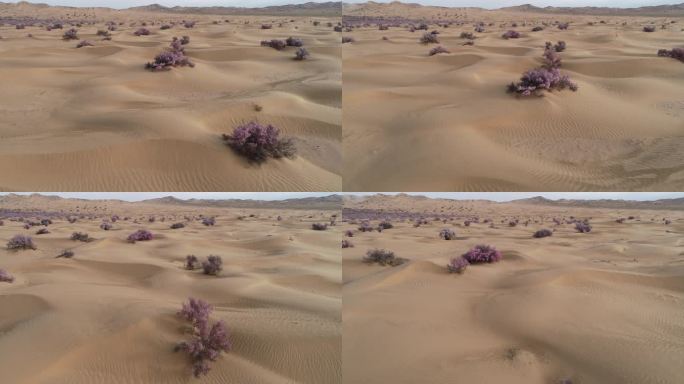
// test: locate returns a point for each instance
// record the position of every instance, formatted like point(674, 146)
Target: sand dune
point(603, 307)
point(415, 122)
point(108, 315)
point(95, 112)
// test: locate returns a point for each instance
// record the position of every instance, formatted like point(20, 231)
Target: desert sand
point(94, 119)
point(600, 307)
point(414, 122)
point(108, 314)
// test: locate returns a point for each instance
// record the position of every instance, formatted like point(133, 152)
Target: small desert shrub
point(266, 26)
point(542, 233)
point(105, 226)
point(385, 225)
point(80, 236)
point(184, 40)
point(177, 225)
point(347, 39)
point(258, 142)
point(20, 242)
point(319, 226)
point(5, 277)
point(19, 26)
point(482, 254)
point(102, 32)
point(649, 28)
point(189, 24)
point(429, 38)
point(71, 34)
point(207, 342)
point(510, 35)
point(382, 257)
point(192, 262)
point(447, 234)
point(213, 265)
point(479, 29)
point(558, 47)
point(582, 227)
point(467, 35)
point(675, 53)
point(537, 29)
point(72, 220)
point(84, 43)
point(42, 231)
point(347, 244)
point(173, 57)
point(140, 235)
point(294, 42)
point(563, 26)
point(349, 233)
point(276, 44)
point(457, 265)
point(209, 221)
point(437, 50)
point(67, 254)
point(301, 54)
point(142, 32)
point(165, 26)
point(546, 78)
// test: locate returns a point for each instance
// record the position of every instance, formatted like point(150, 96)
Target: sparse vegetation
point(140, 235)
point(213, 265)
point(543, 233)
point(258, 142)
point(20, 242)
point(457, 265)
point(5, 277)
point(80, 236)
point(447, 234)
point(383, 257)
point(482, 254)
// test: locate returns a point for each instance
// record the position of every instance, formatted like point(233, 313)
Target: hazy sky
point(507, 196)
point(137, 196)
point(263, 3)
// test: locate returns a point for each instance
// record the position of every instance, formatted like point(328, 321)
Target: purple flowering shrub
point(192, 262)
point(457, 265)
point(383, 257)
point(189, 24)
point(582, 227)
point(482, 254)
point(301, 54)
point(184, 40)
point(42, 231)
point(258, 142)
point(349, 233)
point(174, 56)
point(294, 42)
point(5, 277)
point(537, 29)
point(649, 28)
point(71, 34)
point(675, 53)
point(510, 35)
point(209, 221)
point(558, 47)
point(85, 43)
point(67, 254)
point(319, 226)
point(140, 235)
point(20, 242)
point(276, 44)
point(437, 50)
point(347, 39)
point(105, 226)
point(447, 234)
point(429, 38)
point(385, 224)
point(177, 225)
point(347, 244)
point(80, 236)
point(479, 29)
point(542, 233)
point(142, 32)
point(467, 35)
point(545, 78)
point(213, 265)
point(563, 26)
point(207, 342)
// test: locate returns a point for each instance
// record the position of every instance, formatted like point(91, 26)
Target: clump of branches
point(259, 142)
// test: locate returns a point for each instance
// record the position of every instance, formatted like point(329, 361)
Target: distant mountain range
point(326, 9)
point(396, 8)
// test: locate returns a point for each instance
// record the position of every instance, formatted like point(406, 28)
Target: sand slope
point(445, 123)
point(96, 113)
point(108, 314)
point(604, 307)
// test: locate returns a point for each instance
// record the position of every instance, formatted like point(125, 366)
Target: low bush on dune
point(192, 262)
point(301, 54)
point(649, 28)
point(429, 38)
point(347, 244)
point(582, 227)
point(294, 42)
point(105, 226)
point(67, 254)
point(266, 26)
point(447, 234)
point(511, 35)
point(349, 233)
point(102, 32)
point(71, 34)
point(558, 47)
point(142, 32)
point(319, 226)
point(479, 29)
point(184, 40)
point(19, 26)
point(258, 142)
point(545, 78)
point(563, 26)
point(209, 221)
point(382, 257)
point(42, 231)
point(467, 35)
point(207, 342)
point(5, 277)
point(365, 227)
point(177, 226)
point(213, 265)
point(80, 236)
point(189, 24)
point(72, 220)
point(174, 56)
point(542, 233)
point(457, 265)
point(675, 53)
point(347, 39)
point(165, 27)
point(385, 224)
point(140, 235)
point(85, 43)
point(537, 29)
point(20, 242)
point(482, 254)
point(276, 44)
point(437, 50)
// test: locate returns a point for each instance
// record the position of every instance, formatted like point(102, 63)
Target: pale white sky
point(137, 196)
point(508, 196)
